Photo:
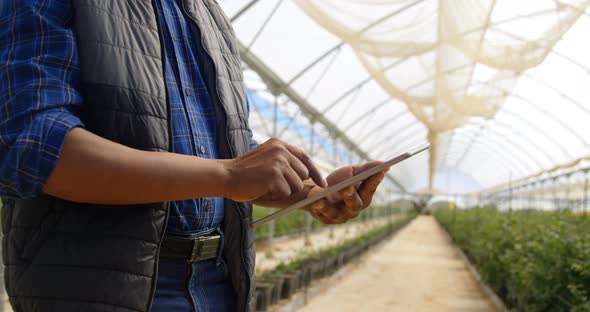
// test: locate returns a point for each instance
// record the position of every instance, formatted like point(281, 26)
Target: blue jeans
point(201, 286)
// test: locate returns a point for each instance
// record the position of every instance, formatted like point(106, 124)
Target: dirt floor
point(417, 270)
point(290, 248)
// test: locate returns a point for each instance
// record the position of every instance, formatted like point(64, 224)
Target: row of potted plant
point(284, 281)
point(295, 224)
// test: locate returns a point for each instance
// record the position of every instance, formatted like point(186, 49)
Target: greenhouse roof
point(499, 88)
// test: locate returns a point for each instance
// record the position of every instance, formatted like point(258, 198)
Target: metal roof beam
point(496, 150)
point(498, 124)
point(243, 10)
point(276, 83)
point(341, 43)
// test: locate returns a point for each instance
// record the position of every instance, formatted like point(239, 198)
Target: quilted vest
point(65, 256)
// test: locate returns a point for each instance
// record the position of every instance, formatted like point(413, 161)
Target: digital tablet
point(340, 186)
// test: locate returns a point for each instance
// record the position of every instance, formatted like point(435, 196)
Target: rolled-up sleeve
point(253, 144)
point(39, 72)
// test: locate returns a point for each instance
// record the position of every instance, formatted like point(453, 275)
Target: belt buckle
point(204, 248)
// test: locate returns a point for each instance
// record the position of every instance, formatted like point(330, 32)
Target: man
point(127, 167)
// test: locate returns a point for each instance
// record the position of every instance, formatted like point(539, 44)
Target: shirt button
point(208, 206)
point(202, 149)
point(187, 91)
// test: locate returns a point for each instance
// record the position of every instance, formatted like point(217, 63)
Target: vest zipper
point(170, 149)
point(232, 152)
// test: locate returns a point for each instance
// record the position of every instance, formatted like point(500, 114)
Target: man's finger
point(368, 188)
point(299, 167)
point(314, 173)
point(347, 192)
point(353, 210)
point(352, 201)
point(319, 205)
point(319, 212)
point(280, 189)
point(329, 214)
point(295, 182)
point(324, 219)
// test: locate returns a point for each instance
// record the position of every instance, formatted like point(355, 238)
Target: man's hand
point(348, 203)
point(271, 172)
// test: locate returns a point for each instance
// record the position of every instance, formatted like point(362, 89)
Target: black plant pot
point(331, 265)
point(289, 286)
point(306, 276)
point(300, 276)
point(263, 296)
point(298, 279)
point(340, 261)
point(276, 291)
point(355, 251)
point(322, 268)
point(276, 285)
point(347, 256)
point(316, 269)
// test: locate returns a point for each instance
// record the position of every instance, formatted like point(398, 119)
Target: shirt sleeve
point(253, 144)
point(38, 97)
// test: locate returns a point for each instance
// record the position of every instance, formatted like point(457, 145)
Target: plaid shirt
point(39, 99)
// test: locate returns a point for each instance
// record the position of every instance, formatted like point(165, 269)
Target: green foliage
point(294, 222)
point(291, 223)
point(536, 261)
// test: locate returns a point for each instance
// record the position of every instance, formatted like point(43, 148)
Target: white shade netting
point(447, 61)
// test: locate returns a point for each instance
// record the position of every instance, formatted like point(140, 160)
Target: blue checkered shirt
point(39, 99)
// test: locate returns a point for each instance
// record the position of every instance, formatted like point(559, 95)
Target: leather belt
point(192, 249)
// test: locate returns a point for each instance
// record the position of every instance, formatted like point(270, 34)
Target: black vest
point(64, 256)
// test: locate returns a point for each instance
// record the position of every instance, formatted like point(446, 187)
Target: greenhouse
point(494, 216)
point(497, 88)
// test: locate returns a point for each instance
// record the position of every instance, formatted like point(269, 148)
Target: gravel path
point(417, 270)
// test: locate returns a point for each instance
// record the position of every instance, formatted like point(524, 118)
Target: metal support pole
point(510, 193)
point(479, 200)
point(534, 192)
point(531, 197)
point(271, 225)
point(585, 192)
point(546, 196)
point(308, 218)
point(335, 158)
point(540, 195)
point(536, 195)
point(567, 193)
point(555, 198)
point(347, 228)
point(454, 211)
point(390, 204)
